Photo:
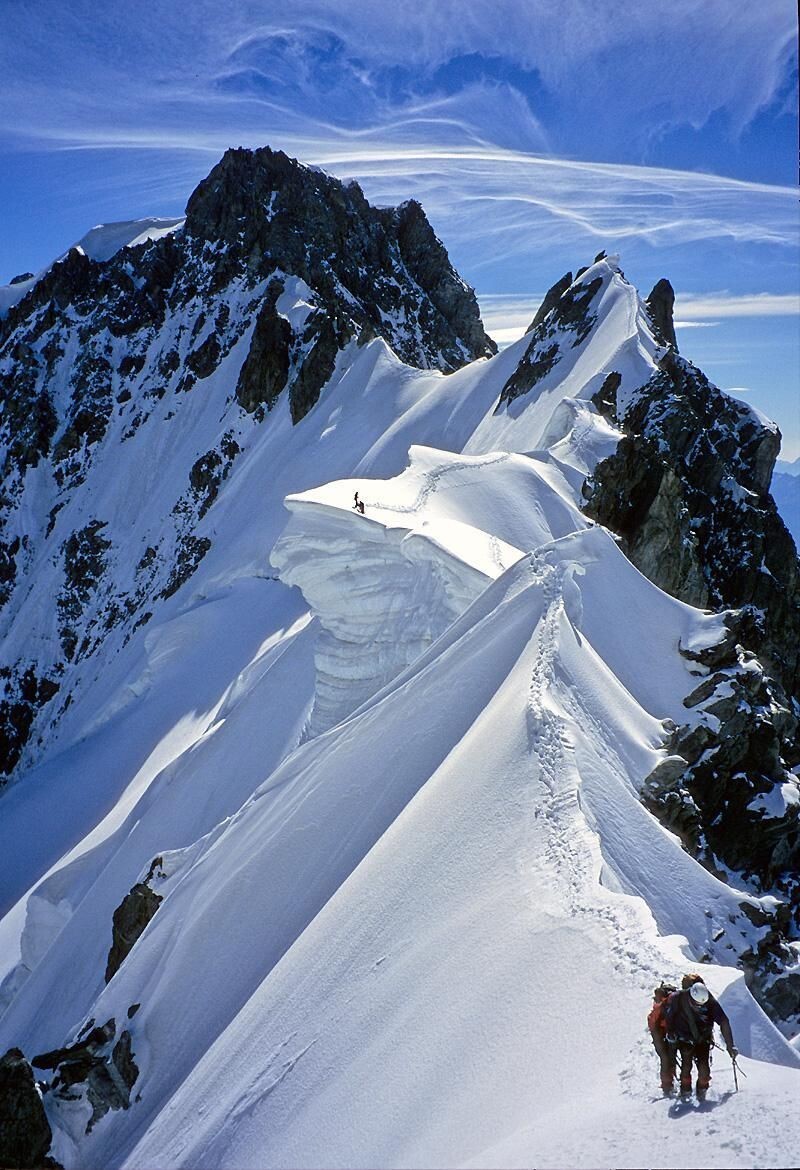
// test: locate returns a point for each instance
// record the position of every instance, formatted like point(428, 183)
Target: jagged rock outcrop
point(551, 299)
point(660, 304)
point(130, 919)
point(368, 265)
point(99, 1067)
point(727, 791)
point(132, 916)
point(565, 315)
point(25, 1133)
point(688, 491)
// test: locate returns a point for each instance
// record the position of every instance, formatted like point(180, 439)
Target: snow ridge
point(383, 770)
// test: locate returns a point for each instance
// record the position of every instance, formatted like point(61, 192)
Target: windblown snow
point(413, 908)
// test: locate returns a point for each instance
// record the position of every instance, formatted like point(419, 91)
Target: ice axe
point(736, 1069)
point(733, 1053)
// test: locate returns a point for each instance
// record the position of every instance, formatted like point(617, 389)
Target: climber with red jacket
point(657, 1024)
point(689, 1016)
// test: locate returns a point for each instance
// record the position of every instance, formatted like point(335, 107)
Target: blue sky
point(534, 132)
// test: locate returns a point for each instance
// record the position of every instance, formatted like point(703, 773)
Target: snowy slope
point(396, 406)
point(414, 929)
point(100, 243)
point(412, 905)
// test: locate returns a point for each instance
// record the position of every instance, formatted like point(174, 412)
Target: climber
point(658, 1032)
point(358, 504)
point(690, 1016)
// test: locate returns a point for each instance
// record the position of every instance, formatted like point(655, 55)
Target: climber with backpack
point(689, 1016)
point(657, 1024)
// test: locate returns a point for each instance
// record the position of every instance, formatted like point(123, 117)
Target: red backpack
point(656, 1020)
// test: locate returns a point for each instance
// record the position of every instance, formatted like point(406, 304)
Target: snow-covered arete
point(412, 905)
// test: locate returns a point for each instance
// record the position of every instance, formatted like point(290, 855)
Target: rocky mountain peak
point(660, 305)
point(276, 270)
point(275, 213)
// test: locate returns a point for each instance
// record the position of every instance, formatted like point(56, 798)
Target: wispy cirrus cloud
point(723, 304)
point(615, 73)
point(469, 106)
point(507, 315)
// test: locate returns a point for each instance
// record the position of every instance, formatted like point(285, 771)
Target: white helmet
point(699, 993)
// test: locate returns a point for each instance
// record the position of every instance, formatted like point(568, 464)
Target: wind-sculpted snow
point(551, 406)
point(412, 907)
point(401, 938)
point(385, 584)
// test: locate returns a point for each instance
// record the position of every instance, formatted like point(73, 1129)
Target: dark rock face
point(84, 554)
point(130, 919)
point(25, 1133)
point(99, 1067)
point(660, 306)
point(24, 694)
point(726, 797)
point(265, 370)
point(551, 299)
point(274, 214)
point(688, 491)
point(726, 791)
point(563, 316)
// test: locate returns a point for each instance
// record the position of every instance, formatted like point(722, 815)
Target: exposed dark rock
point(82, 1051)
point(564, 313)
point(129, 365)
point(21, 278)
point(24, 694)
point(605, 399)
point(426, 260)
point(551, 298)
point(28, 421)
point(772, 974)
point(205, 478)
point(688, 491)
point(265, 370)
point(191, 551)
point(92, 343)
point(726, 791)
point(726, 802)
point(25, 1133)
point(660, 306)
point(100, 1066)
point(130, 918)
point(274, 213)
point(84, 555)
point(8, 567)
point(316, 368)
point(205, 359)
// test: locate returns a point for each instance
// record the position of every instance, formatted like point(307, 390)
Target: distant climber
point(657, 1024)
point(358, 504)
point(690, 1016)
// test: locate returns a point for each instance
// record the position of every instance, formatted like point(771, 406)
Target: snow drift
point(390, 768)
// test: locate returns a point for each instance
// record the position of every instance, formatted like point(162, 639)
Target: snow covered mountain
point(355, 838)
